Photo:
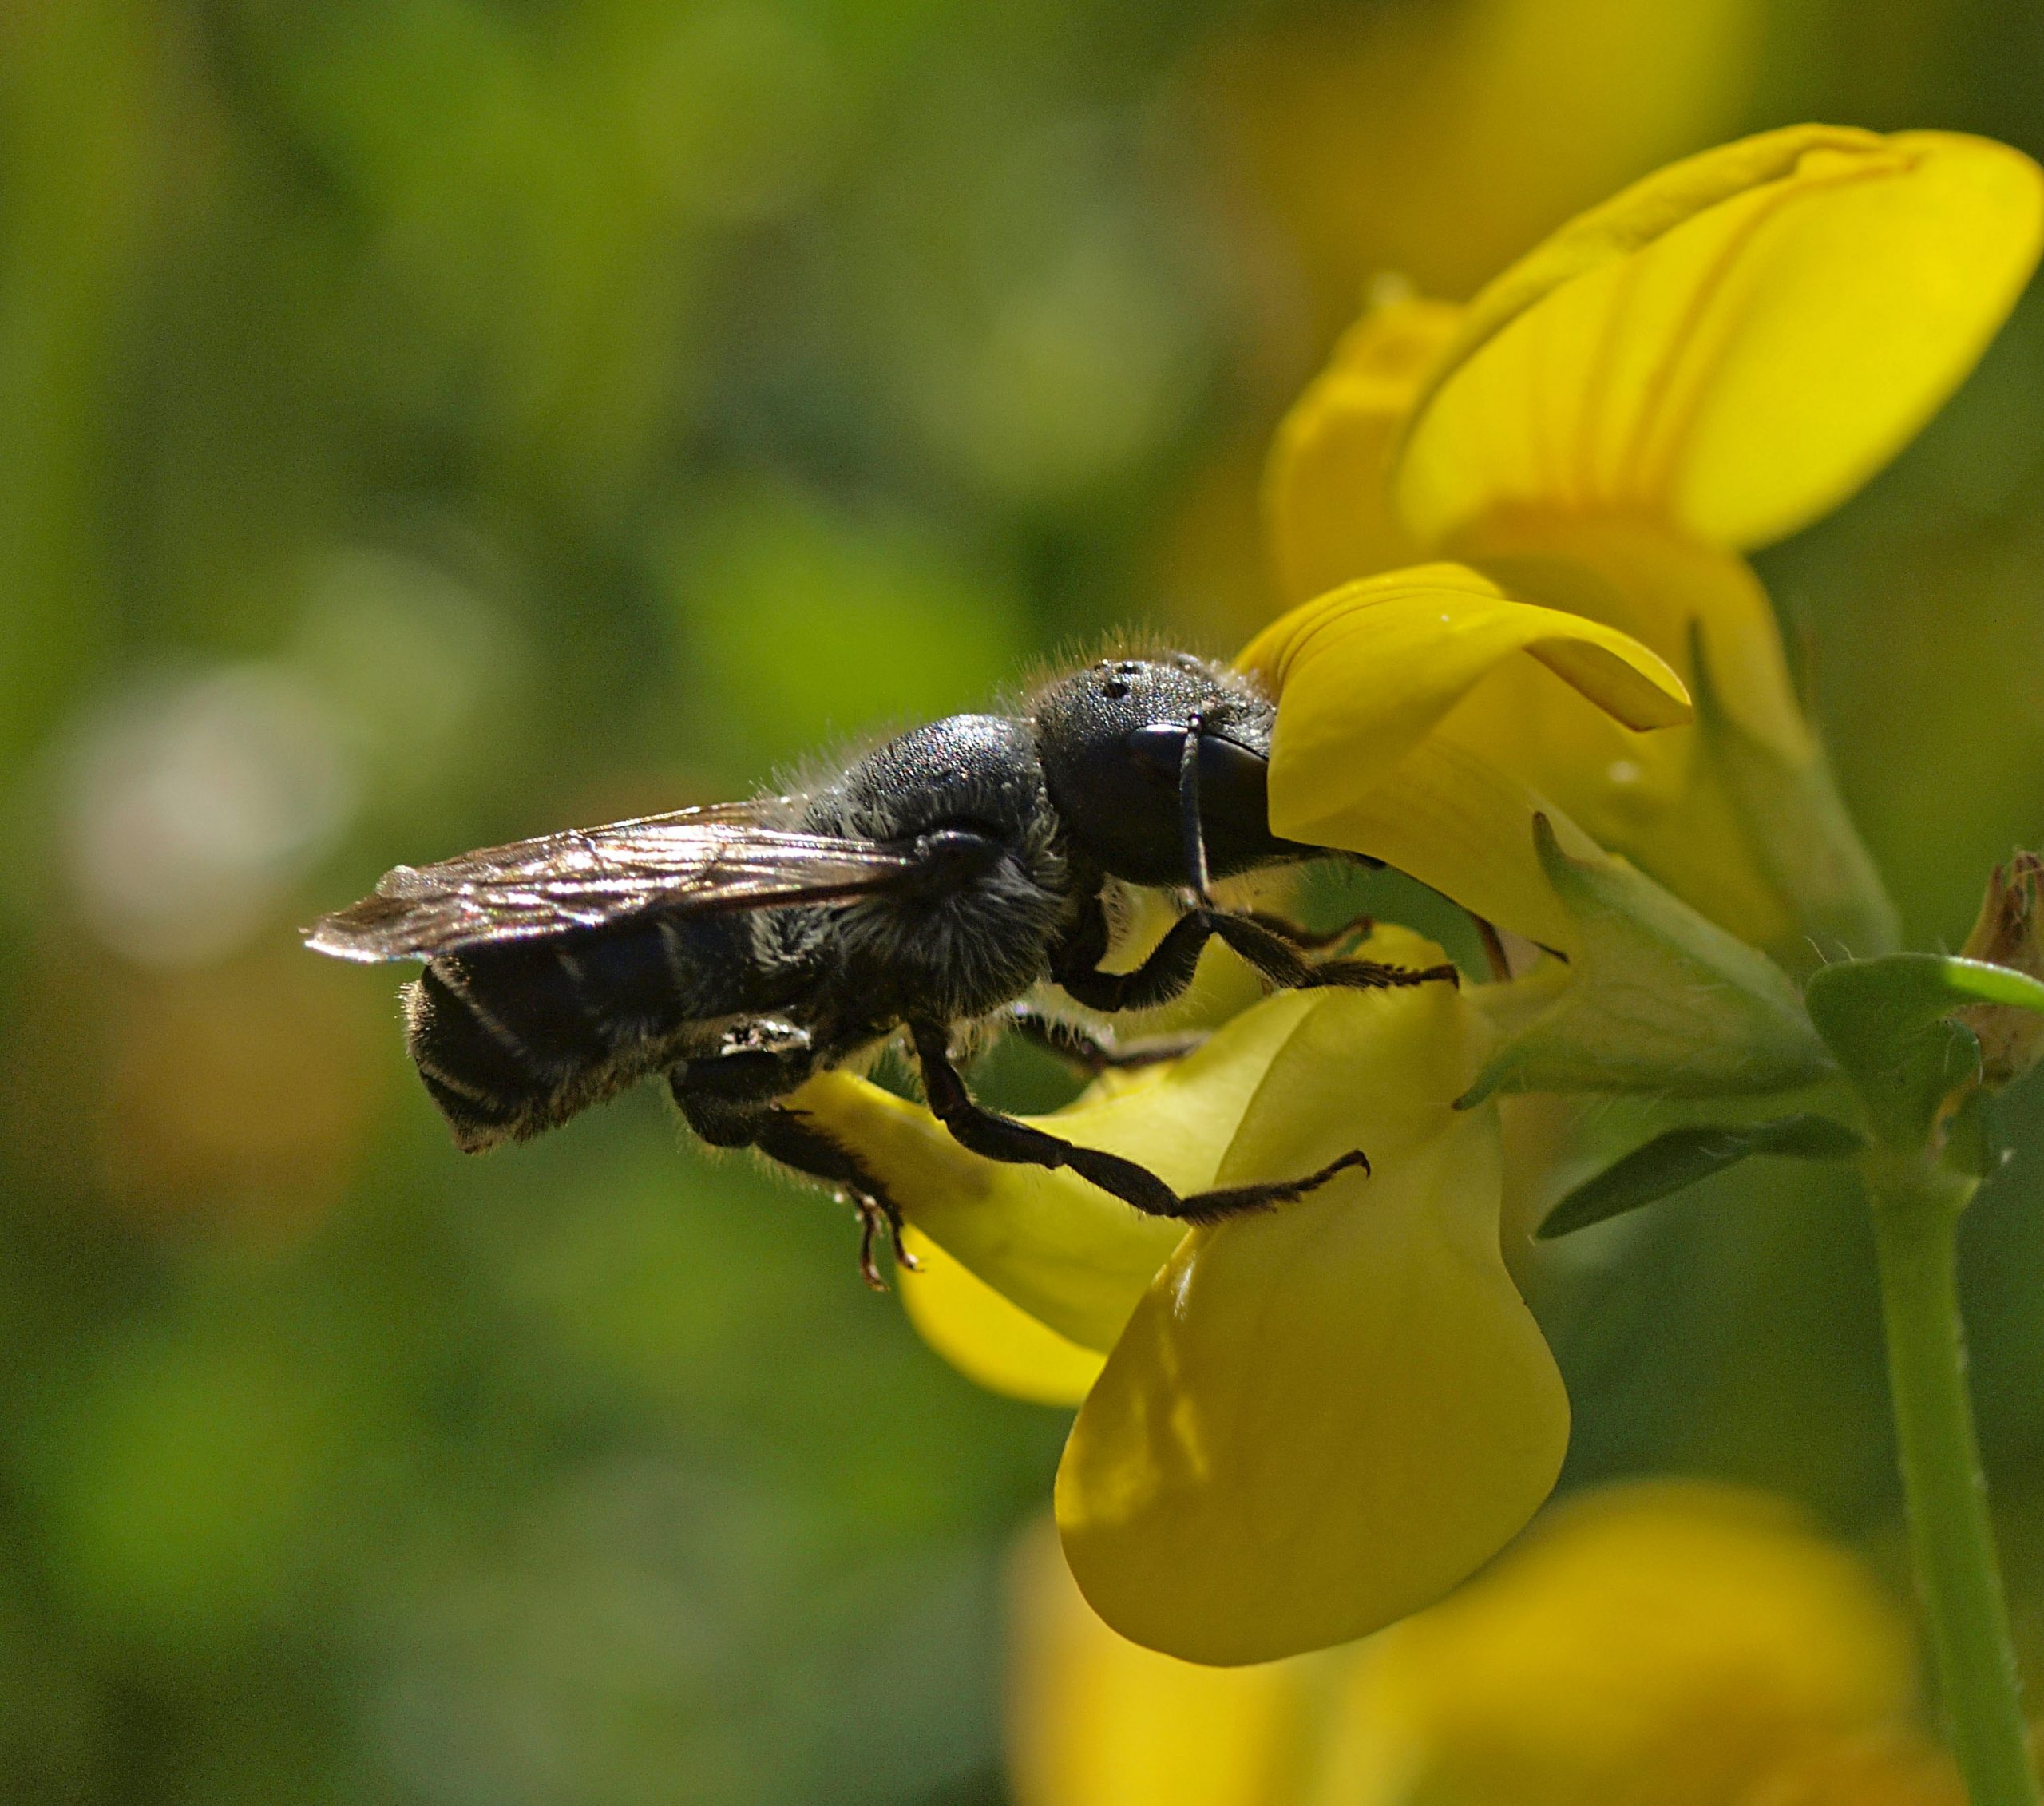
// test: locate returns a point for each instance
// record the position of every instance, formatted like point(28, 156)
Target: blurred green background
point(424, 422)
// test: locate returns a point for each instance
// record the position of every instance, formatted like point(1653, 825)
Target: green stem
point(1916, 1209)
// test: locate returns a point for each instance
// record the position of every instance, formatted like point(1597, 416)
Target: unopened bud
point(2009, 932)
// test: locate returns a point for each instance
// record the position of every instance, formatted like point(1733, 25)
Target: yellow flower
point(1375, 683)
point(1701, 366)
point(1297, 1426)
point(1652, 1645)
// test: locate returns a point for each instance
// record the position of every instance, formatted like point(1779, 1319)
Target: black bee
point(741, 947)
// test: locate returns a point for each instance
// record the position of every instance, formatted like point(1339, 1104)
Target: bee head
point(1116, 741)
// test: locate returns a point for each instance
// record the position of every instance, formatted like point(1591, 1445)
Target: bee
point(926, 890)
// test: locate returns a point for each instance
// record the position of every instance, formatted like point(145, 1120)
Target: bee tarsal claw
point(878, 1217)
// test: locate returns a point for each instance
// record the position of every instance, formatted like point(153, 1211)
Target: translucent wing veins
point(693, 861)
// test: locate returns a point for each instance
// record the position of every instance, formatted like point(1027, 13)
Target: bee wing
point(694, 861)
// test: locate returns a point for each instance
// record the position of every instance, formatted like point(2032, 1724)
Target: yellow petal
point(1738, 815)
point(1364, 676)
point(1664, 590)
point(1732, 345)
point(1321, 1419)
point(1454, 822)
point(1327, 492)
point(1363, 673)
point(993, 1343)
point(1668, 1643)
point(1655, 797)
point(1898, 1765)
point(1095, 1720)
point(1063, 1250)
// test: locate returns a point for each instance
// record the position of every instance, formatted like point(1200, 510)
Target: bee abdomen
point(513, 1039)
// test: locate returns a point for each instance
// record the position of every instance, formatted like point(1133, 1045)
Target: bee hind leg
point(994, 1137)
point(877, 1216)
point(731, 1099)
point(790, 1137)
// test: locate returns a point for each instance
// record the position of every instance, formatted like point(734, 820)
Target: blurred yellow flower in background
point(1660, 1644)
point(1703, 365)
point(1398, 137)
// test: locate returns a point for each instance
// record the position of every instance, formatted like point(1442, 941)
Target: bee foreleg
point(1281, 958)
point(1074, 962)
point(1307, 939)
point(1276, 948)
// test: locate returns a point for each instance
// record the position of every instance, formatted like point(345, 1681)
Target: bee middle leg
point(995, 1137)
point(1097, 1053)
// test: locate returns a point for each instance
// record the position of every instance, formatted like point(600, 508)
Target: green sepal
point(1889, 1022)
point(1657, 999)
point(1802, 838)
point(1681, 1157)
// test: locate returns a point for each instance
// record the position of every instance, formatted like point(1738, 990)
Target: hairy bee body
point(930, 885)
point(513, 1040)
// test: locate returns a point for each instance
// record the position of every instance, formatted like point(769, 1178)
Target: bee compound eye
point(1226, 761)
point(1159, 749)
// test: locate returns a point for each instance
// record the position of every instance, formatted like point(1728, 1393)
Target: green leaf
point(1681, 1157)
point(1888, 1021)
point(1904, 990)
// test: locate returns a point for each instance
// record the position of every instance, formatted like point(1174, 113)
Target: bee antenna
point(1189, 825)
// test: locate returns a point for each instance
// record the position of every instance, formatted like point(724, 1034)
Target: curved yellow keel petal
point(993, 1343)
point(1319, 1419)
